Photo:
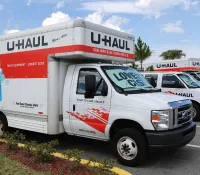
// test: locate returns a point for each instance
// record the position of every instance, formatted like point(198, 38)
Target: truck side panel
point(24, 102)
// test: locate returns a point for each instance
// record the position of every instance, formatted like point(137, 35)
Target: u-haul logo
point(181, 94)
point(109, 41)
point(33, 42)
point(195, 63)
point(166, 65)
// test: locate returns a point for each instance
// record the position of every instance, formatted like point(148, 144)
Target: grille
point(181, 116)
point(181, 113)
point(184, 114)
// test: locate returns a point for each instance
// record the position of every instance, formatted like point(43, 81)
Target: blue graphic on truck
point(2, 78)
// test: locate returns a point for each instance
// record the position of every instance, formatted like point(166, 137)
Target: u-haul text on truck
point(61, 78)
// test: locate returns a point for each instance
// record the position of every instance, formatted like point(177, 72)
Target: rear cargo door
point(89, 117)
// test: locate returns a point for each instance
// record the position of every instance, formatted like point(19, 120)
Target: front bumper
point(174, 138)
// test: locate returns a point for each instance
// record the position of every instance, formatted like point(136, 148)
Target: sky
point(162, 24)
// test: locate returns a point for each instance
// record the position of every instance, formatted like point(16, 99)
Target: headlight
point(160, 119)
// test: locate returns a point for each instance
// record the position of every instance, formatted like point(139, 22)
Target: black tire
point(3, 121)
point(140, 142)
point(197, 108)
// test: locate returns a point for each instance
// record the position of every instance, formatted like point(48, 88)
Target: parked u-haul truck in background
point(175, 71)
point(178, 83)
point(52, 82)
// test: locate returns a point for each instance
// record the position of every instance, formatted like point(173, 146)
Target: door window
point(81, 80)
point(171, 81)
point(152, 79)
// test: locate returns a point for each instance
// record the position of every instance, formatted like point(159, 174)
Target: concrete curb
point(119, 171)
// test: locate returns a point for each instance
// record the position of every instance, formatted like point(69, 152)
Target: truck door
point(89, 117)
point(171, 84)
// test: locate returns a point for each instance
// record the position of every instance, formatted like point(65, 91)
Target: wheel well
point(195, 102)
point(2, 114)
point(124, 123)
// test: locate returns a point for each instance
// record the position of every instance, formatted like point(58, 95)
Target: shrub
point(104, 167)
point(13, 139)
point(92, 165)
point(29, 148)
point(44, 152)
point(75, 154)
point(107, 165)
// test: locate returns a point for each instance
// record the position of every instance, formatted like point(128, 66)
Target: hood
point(146, 101)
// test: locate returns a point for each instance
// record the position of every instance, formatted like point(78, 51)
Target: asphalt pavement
point(184, 161)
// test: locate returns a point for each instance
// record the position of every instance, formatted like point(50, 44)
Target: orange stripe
point(79, 48)
point(34, 63)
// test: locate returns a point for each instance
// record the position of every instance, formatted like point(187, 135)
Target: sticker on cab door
point(95, 118)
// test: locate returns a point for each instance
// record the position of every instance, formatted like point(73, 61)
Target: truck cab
point(179, 83)
point(117, 104)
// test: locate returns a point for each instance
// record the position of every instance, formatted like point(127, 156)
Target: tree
point(172, 54)
point(142, 51)
point(150, 68)
point(134, 66)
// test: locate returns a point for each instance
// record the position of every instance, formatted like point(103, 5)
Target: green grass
point(12, 167)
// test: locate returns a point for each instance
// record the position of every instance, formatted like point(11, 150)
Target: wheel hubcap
point(1, 128)
point(194, 112)
point(127, 148)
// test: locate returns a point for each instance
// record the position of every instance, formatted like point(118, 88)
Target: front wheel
point(196, 112)
point(130, 147)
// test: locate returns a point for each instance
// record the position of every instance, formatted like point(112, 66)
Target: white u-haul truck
point(180, 77)
point(52, 82)
point(178, 83)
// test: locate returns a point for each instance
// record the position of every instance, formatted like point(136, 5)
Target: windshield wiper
point(143, 90)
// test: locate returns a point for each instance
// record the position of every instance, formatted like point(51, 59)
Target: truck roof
point(77, 39)
point(67, 25)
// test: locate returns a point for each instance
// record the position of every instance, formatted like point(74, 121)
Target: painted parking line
point(198, 126)
point(194, 146)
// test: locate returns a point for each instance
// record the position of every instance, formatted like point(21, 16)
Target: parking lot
point(184, 161)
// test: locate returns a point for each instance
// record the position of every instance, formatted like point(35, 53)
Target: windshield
point(189, 81)
point(195, 76)
point(126, 79)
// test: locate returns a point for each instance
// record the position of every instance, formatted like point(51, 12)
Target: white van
point(61, 78)
point(178, 83)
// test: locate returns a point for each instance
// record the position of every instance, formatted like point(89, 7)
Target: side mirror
point(90, 86)
point(104, 91)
